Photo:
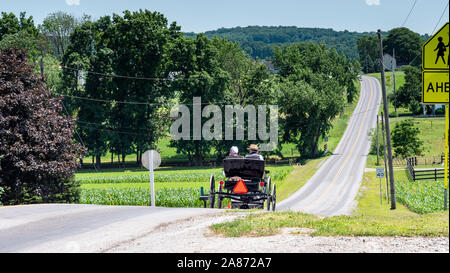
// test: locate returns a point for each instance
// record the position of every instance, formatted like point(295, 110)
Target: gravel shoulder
point(193, 236)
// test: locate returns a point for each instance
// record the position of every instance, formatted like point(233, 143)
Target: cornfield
point(424, 196)
point(167, 197)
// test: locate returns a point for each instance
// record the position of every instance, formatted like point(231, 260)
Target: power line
point(79, 137)
point(173, 78)
point(131, 102)
point(410, 11)
point(437, 24)
point(440, 18)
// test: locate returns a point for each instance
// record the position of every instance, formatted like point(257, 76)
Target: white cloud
point(73, 2)
point(373, 2)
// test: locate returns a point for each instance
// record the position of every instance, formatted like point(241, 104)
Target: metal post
point(388, 130)
point(152, 179)
point(446, 176)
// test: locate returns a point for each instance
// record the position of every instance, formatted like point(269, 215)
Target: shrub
point(38, 155)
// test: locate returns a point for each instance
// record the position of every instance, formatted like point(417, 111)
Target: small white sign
point(380, 172)
point(146, 159)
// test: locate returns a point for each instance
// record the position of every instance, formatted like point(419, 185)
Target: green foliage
point(369, 53)
point(406, 43)
point(405, 139)
point(38, 157)
point(314, 83)
point(167, 197)
point(409, 94)
point(422, 196)
point(260, 41)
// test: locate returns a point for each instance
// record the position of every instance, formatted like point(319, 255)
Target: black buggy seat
point(244, 167)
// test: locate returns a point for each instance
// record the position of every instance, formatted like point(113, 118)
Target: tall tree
point(311, 94)
point(199, 75)
point(407, 45)
point(57, 27)
point(368, 53)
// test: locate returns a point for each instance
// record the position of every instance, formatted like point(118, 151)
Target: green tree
point(199, 75)
point(57, 27)
point(312, 93)
point(369, 53)
point(405, 139)
point(407, 45)
point(409, 95)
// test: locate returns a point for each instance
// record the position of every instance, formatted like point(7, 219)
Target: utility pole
point(385, 160)
point(394, 65)
point(378, 143)
point(386, 121)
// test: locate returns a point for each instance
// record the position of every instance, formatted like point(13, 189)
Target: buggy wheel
point(219, 197)
point(274, 196)
point(269, 182)
point(212, 195)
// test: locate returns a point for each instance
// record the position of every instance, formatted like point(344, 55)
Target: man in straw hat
point(254, 152)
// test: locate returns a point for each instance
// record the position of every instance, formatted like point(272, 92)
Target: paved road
point(333, 188)
point(81, 228)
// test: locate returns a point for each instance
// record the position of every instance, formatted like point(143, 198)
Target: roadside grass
point(297, 178)
point(371, 218)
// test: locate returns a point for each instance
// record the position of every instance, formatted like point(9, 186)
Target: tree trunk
point(98, 160)
point(42, 67)
point(316, 141)
point(123, 159)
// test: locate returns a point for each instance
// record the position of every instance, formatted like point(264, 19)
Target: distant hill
point(259, 41)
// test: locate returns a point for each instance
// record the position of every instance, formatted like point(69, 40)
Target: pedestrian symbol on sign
point(441, 48)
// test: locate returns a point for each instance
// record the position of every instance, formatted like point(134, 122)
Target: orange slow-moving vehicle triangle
point(240, 187)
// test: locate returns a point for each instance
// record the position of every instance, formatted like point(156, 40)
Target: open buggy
point(246, 183)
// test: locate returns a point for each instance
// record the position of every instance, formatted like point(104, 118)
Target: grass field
point(174, 186)
point(431, 133)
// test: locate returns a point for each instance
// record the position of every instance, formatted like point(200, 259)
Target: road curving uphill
point(333, 188)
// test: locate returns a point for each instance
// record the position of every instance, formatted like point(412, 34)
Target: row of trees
point(146, 52)
point(121, 75)
point(260, 41)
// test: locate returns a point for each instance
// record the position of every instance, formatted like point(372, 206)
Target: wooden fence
point(428, 174)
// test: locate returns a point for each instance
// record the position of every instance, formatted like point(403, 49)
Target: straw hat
point(253, 147)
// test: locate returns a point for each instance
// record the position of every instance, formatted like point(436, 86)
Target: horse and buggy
point(247, 184)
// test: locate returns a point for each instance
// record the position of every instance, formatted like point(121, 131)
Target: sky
point(203, 15)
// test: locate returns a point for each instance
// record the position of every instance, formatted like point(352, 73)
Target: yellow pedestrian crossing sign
point(435, 51)
point(435, 87)
point(435, 64)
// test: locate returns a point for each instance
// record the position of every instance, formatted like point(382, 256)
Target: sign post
point(151, 160)
point(380, 174)
point(435, 82)
point(447, 110)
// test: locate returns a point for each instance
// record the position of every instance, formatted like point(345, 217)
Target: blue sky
point(203, 15)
